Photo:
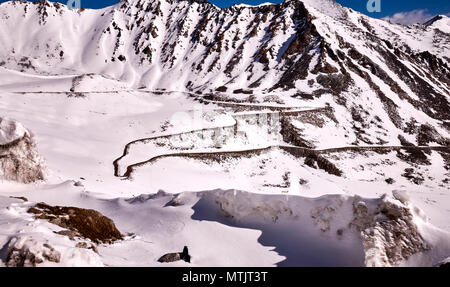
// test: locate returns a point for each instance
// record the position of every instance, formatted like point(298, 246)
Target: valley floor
point(244, 197)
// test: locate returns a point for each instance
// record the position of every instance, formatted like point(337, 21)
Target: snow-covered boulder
point(19, 158)
point(28, 252)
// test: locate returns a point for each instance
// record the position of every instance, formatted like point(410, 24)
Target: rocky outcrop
point(293, 135)
point(173, 257)
point(444, 263)
point(388, 232)
point(19, 158)
point(28, 252)
point(79, 222)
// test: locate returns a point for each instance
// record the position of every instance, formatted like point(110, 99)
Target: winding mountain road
point(220, 155)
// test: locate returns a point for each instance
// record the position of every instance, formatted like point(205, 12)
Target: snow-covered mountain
point(440, 22)
point(222, 129)
point(313, 49)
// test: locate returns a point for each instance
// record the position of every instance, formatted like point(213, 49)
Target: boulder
point(84, 223)
point(173, 257)
point(28, 252)
point(19, 158)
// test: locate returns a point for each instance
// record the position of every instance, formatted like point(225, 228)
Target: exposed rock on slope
point(177, 256)
point(388, 232)
point(19, 158)
point(84, 223)
point(25, 242)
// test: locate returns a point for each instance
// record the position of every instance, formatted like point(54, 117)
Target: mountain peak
point(432, 20)
point(440, 22)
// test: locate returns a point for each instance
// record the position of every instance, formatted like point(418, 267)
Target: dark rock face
point(413, 176)
point(432, 102)
point(414, 156)
point(84, 223)
point(317, 161)
point(427, 134)
point(170, 257)
point(314, 160)
point(292, 135)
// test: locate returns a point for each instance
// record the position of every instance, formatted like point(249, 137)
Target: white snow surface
point(59, 81)
point(80, 139)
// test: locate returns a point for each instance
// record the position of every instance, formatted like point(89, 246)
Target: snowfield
point(298, 134)
point(222, 225)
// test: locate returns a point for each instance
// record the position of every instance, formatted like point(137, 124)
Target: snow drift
point(98, 84)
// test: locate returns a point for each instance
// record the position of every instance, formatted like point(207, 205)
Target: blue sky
point(406, 10)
